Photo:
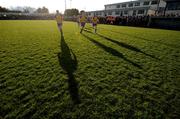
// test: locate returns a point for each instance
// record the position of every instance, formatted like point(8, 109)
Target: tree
point(42, 10)
point(38, 10)
point(71, 12)
point(81, 11)
point(24, 9)
point(3, 9)
point(29, 9)
point(45, 10)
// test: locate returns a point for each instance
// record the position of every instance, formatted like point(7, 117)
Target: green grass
point(121, 72)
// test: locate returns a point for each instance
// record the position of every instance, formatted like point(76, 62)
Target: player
point(95, 21)
point(59, 20)
point(82, 21)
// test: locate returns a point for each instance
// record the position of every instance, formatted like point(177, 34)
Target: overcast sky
point(52, 5)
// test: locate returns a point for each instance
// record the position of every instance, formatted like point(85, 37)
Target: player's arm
point(86, 19)
point(92, 20)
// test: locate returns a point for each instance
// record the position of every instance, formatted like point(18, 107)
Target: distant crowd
point(128, 20)
point(168, 21)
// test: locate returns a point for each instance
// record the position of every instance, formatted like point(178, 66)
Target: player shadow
point(145, 39)
point(68, 61)
point(112, 51)
point(127, 46)
point(88, 28)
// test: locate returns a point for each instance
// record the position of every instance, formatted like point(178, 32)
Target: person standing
point(95, 21)
point(59, 20)
point(82, 21)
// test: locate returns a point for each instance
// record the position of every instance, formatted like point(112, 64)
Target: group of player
point(81, 20)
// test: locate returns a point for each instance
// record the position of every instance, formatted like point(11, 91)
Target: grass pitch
point(120, 72)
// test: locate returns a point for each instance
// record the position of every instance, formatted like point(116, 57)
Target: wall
point(168, 12)
point(167, 23)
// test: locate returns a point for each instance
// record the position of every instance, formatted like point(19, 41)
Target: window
point(117, 12)
point(118, 6)
point(109, 13)
point(125, 12)
point(140, 11)
point(123, 5)
point(130, 5)
point(134, 12)
point(146, 3)
point(173, 6)
point(121, 14)
point(153, 2)
point(137, 4)
point(98, 13)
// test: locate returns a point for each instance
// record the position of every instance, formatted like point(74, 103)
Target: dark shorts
point(93, 24)
point(59, 24)
point(83, 24)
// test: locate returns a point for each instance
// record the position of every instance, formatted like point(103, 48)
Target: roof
point(132, 1)
point(138, 8)
point(96, 11)
point(172, 0)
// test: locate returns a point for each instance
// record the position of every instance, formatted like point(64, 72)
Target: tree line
point(24, 10)
point(67, 12)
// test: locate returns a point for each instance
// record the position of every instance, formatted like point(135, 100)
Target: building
point(100, 13)
point(135, 8)
point(132, 8)
point(172, 7)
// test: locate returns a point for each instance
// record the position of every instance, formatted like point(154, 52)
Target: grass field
point(120, 72)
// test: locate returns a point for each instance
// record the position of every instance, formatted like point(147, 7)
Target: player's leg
point(95, 28)
point(82, 26)
point(60, 27)
point(93, 25)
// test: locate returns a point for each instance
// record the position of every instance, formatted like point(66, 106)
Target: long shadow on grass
point(130, 47)
point(88, 28)
point(135, 36)
point(127, 46)
point(68, 61)
point(112, 51)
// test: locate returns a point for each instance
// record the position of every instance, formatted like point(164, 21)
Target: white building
point(100, 13)
point(172, 7)
point(132, 8)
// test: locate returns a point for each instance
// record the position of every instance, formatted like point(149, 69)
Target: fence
point(167, 22)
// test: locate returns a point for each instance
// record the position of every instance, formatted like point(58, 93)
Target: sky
point(53, 5)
